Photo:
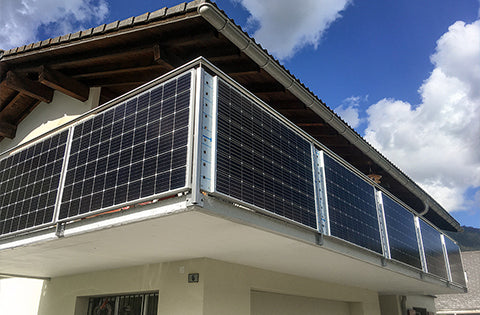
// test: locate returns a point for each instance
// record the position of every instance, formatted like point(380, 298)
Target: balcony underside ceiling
point(124, 59)
point(195, 233)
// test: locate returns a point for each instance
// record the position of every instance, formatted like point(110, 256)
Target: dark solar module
point(402, 237)
point(29, 181)
point(261, 161)
point(455, 261)
point(432, 245)
point(351, 206)
point(131, 151)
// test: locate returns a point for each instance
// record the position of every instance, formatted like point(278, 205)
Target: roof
point(122, 55)
point(470, 300)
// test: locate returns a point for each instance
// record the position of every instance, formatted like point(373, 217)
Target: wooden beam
point(28, 87)
point(65, 84)
point(314, 124)
point(122, 71)
point(265, 87)
point(7, 130)
point(162, 55)
point(3, 71)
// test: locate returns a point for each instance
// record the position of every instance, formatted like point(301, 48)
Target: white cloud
point(287, 26)
point(349, 111)
point(21, 20)
point(437, 142)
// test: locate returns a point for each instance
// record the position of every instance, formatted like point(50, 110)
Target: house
point(468, 303)
point(167, 164)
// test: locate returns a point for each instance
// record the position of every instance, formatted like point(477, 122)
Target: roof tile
point(99, 29)
point(141, 18)
point(29, 46)
point(36, 45)
point(75, 35)
point(55, 40)
point(86, 32)
point(126, 22)
point(46, 42)
point(157, 14)
point(176, 9)
point(21, 49)
point(111, 26)
point(65, 38)
point(193, 5)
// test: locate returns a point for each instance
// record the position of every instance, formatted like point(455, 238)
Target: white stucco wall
point(20, 296)
point(224, 288)
point(47, 116)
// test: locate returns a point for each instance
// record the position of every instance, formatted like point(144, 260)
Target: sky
point(403, 74)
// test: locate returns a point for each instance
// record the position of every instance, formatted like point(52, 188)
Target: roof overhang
point(122, 55)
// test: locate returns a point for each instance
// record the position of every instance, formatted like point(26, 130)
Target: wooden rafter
point(121, 71)
point(28, 87)
point(162, 55)
point(65, 84)
point(7, 130)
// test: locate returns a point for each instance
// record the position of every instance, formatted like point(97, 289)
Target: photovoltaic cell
point(29, 181)
point(455, 261)
point(402, 236)
point(432, 246)
point(131, 151)
point(261, 161)
point(351, 206)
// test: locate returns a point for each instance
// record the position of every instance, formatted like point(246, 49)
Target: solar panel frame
point(338, 206)
point(433, 250)
point(455, 262)
point(37, 171)
point(397, 240)
point(113, 195)
point(277, 123)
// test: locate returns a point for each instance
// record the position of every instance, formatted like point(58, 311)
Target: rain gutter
point(227, 28)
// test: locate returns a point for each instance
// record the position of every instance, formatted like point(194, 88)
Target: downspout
point(245, 44)
point(421, 214)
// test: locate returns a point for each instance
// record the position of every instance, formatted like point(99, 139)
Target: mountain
point(468, 240)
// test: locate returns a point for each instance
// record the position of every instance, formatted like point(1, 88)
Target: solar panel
point(351, 206)
point(29, 181)
point(261, 161)
point(131, 151)
point(455, 261)
point(402, 236)
point(432, 246)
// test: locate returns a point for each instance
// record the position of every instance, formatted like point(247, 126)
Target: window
point(129, 304)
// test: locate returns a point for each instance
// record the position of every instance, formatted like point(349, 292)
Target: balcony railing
point(196, 130)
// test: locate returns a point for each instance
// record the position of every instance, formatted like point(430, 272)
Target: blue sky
point(404, 74)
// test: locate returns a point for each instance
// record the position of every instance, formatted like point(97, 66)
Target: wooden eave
point(123, 58)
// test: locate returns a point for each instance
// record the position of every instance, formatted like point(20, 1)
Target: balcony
point(194, 165)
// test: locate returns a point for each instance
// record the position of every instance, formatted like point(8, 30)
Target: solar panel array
point(134, 150)
point(455, 261)
point(261, 161)
point(402, 236)
point(432, 246)
point(351, 206)
point(29, 182)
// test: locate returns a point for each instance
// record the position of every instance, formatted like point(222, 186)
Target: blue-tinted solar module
point(29, 181)
point(432, 245)
point(134, 150)
point(261, 161)
point(402, 236)
point(351, 206)
point(455, 261)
